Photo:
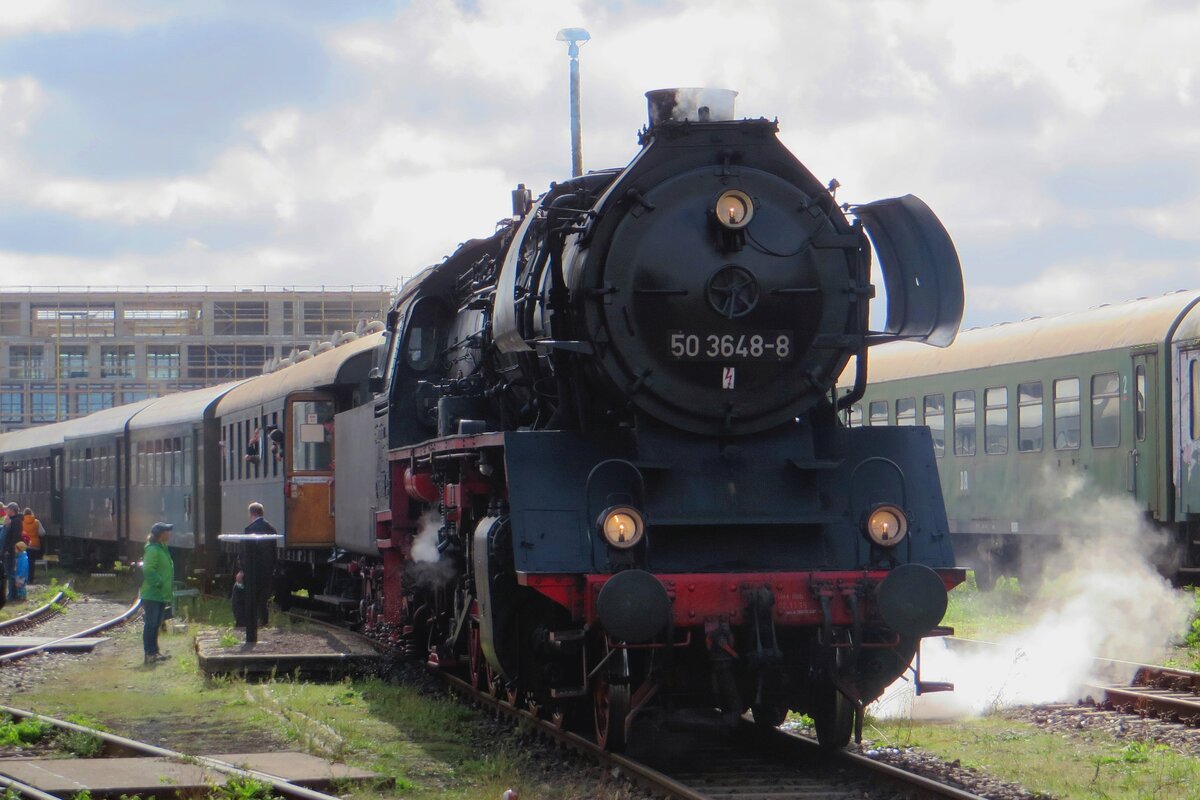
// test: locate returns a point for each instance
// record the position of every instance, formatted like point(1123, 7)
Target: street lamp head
point(573, 35)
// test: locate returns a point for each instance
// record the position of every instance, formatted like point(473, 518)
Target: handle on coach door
point(1131, 468)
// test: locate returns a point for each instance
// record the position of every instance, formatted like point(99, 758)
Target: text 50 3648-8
point(745, 346)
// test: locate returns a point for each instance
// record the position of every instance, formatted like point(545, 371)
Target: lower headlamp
point(887, 525)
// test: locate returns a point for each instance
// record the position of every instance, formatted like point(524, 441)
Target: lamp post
point(575, 37)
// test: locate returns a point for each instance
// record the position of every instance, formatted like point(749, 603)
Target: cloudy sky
point(301, 142)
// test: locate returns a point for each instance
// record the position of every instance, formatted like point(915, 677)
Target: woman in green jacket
point(158, 587)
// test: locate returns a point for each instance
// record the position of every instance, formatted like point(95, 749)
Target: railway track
point(120, 745)
point(744, 763)
point(1170, 695)
point(112, 622)
point(31, 619)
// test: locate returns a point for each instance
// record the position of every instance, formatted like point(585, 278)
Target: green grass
point(428, 747)
point(1086, 766)
point(986, 615)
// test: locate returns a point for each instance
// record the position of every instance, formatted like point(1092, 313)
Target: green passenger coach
point(1079, 425)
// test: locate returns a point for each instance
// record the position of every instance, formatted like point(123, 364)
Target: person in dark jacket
point(266, 561)
point(158, 587)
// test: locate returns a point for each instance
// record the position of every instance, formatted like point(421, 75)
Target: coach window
point(935, 418)
point(995, 420)
point(1139, 417)
point(906, 411)
point(274, 449)
point(187, 461)
point(168, 464)
point(879, 413)
point(1029, 417)
point(1066, 414)
point(1106, 410)
point(964, 423)
point(312, 436)
point(1194, 375)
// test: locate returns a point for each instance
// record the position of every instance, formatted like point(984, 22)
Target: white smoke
point(425, 545)
point(1103, 598)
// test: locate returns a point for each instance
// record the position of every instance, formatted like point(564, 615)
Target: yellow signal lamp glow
point(622, 527)
point(887, 525)
point(734, 209)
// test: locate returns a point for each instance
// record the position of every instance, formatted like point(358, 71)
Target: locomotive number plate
point(745, 346)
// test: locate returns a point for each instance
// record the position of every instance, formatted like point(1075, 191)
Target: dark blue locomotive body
point(613, 425)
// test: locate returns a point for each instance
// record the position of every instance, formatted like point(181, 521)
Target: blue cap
point(159, 527)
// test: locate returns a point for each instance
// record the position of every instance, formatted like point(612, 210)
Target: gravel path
point(77, 615)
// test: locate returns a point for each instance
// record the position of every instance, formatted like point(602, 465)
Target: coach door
point(1144, 456)
point(308, 482)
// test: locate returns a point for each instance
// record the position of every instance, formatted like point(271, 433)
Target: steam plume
point(1103, 597)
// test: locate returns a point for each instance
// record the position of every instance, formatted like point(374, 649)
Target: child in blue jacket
point(21, 573)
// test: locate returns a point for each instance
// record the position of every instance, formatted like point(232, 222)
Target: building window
point(10, 320)
point(12, 403)
point(1066, 414)
point(132, 394)
point(216, 363)
point(47, 406)
point(879, 412)
point(77, 322)
point(327, 317)
point(25, 363)
point(73, 362)
point(161, 319)
point(162, 363)
point(995, 420)
point(1106, 409)
point(240, 318)
point(906, 411)
point(964, 423)
point(1029, 417)
point(935, 418)
point(117, 361)
point(87, 402)
point(1139, 380)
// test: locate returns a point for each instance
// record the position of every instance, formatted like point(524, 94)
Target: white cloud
point(18, 17)
point(436, 113)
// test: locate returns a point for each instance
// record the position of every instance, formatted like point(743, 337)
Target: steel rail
point(30, 618)
point(24, 789)
point(277, 783)
point(111, 623)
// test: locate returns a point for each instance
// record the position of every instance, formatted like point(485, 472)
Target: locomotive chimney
point(690, 105)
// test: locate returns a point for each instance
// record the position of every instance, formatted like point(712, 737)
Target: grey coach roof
point(320, 370)
point(107, 421)
point(1109, 327)
point(182, 407)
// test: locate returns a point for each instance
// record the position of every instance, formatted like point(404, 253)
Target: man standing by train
point(266, 555)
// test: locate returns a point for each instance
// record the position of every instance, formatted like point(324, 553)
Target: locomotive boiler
point(619, 484)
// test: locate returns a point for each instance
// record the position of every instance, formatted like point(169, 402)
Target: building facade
point(70, 351)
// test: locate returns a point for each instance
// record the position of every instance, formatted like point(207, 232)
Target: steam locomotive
point(617, 480)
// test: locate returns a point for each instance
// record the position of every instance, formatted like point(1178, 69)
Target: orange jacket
point(33, 531)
